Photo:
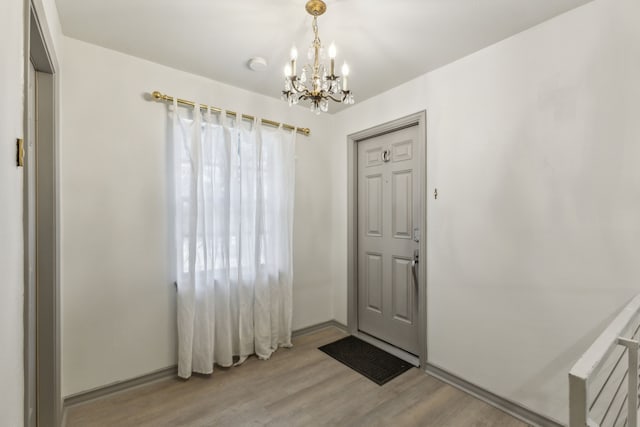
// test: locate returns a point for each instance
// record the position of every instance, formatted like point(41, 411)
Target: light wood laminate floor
point(300, 386)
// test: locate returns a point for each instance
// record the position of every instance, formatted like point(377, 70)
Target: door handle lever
point(414, 265)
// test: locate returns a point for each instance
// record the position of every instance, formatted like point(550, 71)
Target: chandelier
point(316, 83)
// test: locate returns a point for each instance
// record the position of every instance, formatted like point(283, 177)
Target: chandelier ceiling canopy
point(316, 82)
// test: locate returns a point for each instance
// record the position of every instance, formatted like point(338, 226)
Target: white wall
point(118, 296)
point(533, 144)
point(11, 242)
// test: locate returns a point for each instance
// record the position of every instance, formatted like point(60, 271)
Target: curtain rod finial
point(157, 95)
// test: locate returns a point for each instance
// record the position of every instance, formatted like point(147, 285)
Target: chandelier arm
point(336, 100)
point(297, 86)
point(302, 92)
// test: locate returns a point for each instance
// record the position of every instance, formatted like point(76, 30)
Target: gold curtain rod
point(159, 96)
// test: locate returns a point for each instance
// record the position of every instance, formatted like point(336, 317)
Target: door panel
point(374, 157)
point(403, 289)
point(388, 211)
point(374, 205)
point(373, 281)
point(402, 151)
point(402, 205)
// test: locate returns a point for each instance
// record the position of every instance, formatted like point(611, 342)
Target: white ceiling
point(385, 42)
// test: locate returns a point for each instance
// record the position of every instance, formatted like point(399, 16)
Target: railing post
point(593, 361)
point(578, 404)
point(632, 380)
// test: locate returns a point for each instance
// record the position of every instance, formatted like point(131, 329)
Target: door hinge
point(20, 152)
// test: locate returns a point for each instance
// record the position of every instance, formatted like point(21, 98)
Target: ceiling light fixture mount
point(315, 7)
point(316, 83)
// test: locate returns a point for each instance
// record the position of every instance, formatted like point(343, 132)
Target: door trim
point(419, 119)
point(42, 395)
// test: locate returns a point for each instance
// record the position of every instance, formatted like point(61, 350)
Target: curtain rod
point(159, 96)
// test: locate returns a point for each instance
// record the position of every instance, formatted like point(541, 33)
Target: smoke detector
point(257, 63)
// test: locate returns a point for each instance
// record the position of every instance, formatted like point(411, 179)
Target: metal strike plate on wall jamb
point(20, 152)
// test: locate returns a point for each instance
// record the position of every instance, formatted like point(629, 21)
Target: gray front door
point(388, 219)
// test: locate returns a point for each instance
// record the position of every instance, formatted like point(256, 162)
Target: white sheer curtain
point(234, 189)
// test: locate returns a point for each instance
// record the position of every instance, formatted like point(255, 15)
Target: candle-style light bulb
point(332, 51)
point(294, 57)
point(345, 74)
point(332, 56)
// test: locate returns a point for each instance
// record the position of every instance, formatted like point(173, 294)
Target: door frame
point(419, 119)
point(42, 358)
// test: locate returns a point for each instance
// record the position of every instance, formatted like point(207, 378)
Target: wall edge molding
point(118, 386)
point(318, 326)
point(512, 408)
point(163, 374)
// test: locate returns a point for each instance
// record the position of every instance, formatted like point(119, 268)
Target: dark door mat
point(375, 364)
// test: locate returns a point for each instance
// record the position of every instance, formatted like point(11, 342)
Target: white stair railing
point(597, 396)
